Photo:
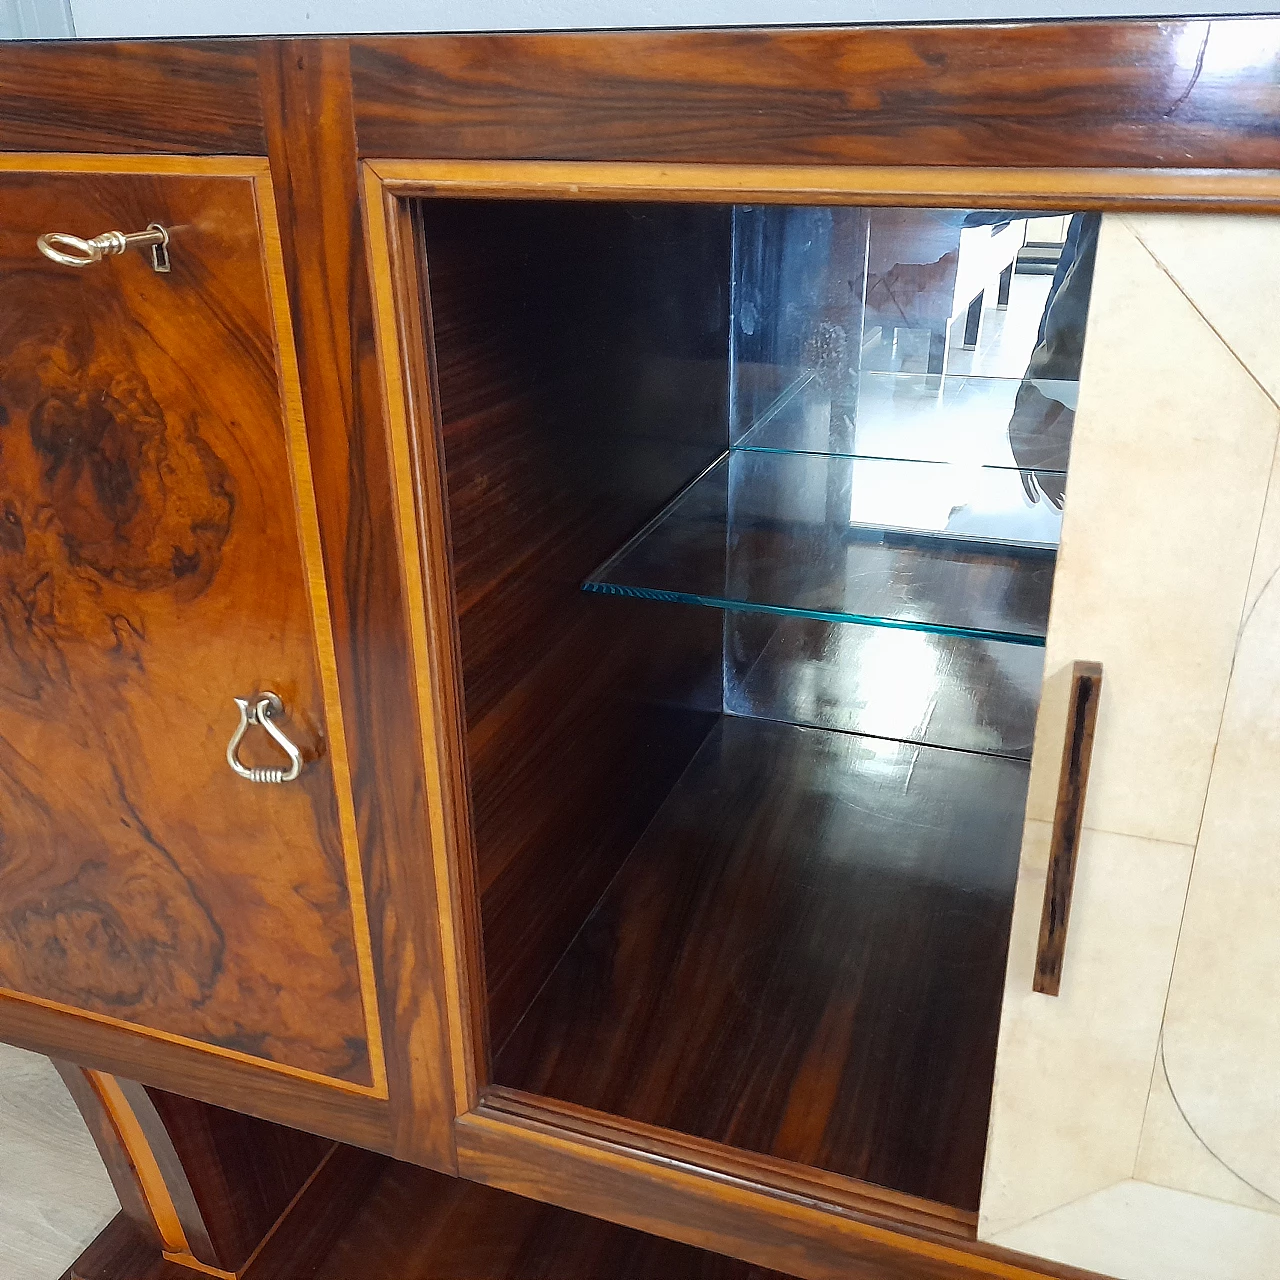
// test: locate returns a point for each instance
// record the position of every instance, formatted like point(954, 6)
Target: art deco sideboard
point(681, 624)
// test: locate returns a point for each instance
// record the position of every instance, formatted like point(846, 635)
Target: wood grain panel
point(765, 973)
point(1186, 94)
point(156, 96)
point(147, 464)
point(307, 104)
point(572, 400)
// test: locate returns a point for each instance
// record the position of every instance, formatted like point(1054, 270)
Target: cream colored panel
point(1222, 1027)
point(1171, 1155)
point(1135, 1231)
point(1229, 267)
point(1172, 449)
point(1073, 1072)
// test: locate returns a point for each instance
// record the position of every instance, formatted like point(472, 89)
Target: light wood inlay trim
point(258, 171)
point(186, 1260)
point(161, 166)
point(154, 1189)
point(380, 210)
point(1255, 191)
point(154, 1033)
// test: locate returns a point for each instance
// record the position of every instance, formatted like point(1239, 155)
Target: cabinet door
point(1134, 1123)
point(159, 559)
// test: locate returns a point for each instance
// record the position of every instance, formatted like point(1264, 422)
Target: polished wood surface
point(111, 1147)
point(161, 1180)
point(122, 1252)
point(312, 152)
point(461, 1231)
point(243, 1173)
point(184, 97)
point(973, 695)
point(1068, 825)
point(767, 973)
point(147, 467)
point(402, 323)
point(237, 1196)
point(566, 415)
point(731, 1163)
point(202, 1185)
point(1182, 93)
point(365, 1215)
point(750, 1218)
point(955, 186)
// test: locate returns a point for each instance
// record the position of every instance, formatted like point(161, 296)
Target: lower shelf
point(413, 1224)
point(803, 956)
point(418, 1225)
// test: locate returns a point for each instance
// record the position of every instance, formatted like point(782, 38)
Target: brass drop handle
point(260, 711)
point(71, 251)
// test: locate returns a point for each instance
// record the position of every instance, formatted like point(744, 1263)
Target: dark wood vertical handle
point(1068, 821)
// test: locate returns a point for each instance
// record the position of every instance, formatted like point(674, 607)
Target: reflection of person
point(1044, 412)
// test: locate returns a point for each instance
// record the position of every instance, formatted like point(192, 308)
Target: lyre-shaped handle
point(260, 711)
point(71, 251)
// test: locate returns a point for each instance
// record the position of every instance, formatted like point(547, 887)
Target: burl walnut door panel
point(159, 557)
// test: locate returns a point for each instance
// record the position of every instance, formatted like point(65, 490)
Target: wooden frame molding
point(1152, 190)
point(748, 1218)
point(402, 321)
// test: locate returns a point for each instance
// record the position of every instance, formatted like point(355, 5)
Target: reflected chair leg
point(937, 350)
point(973, 323)
point(1006, 283)
point(202, 1189)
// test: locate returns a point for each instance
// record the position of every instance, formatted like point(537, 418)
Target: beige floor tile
point(55, 1195)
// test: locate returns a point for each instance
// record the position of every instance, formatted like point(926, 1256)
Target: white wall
point(34, 19)
point(275, 17)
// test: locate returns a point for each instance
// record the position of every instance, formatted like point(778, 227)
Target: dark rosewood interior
point(419, 1225)
point(747, 870)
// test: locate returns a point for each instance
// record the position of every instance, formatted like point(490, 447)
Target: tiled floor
point(55, 1195)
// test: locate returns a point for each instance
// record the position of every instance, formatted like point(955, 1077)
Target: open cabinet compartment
point(752, 555)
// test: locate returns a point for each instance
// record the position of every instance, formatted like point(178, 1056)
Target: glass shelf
point(926, 546)
point(957, 418)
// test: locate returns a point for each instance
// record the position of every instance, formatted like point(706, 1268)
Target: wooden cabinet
point(679, 659)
